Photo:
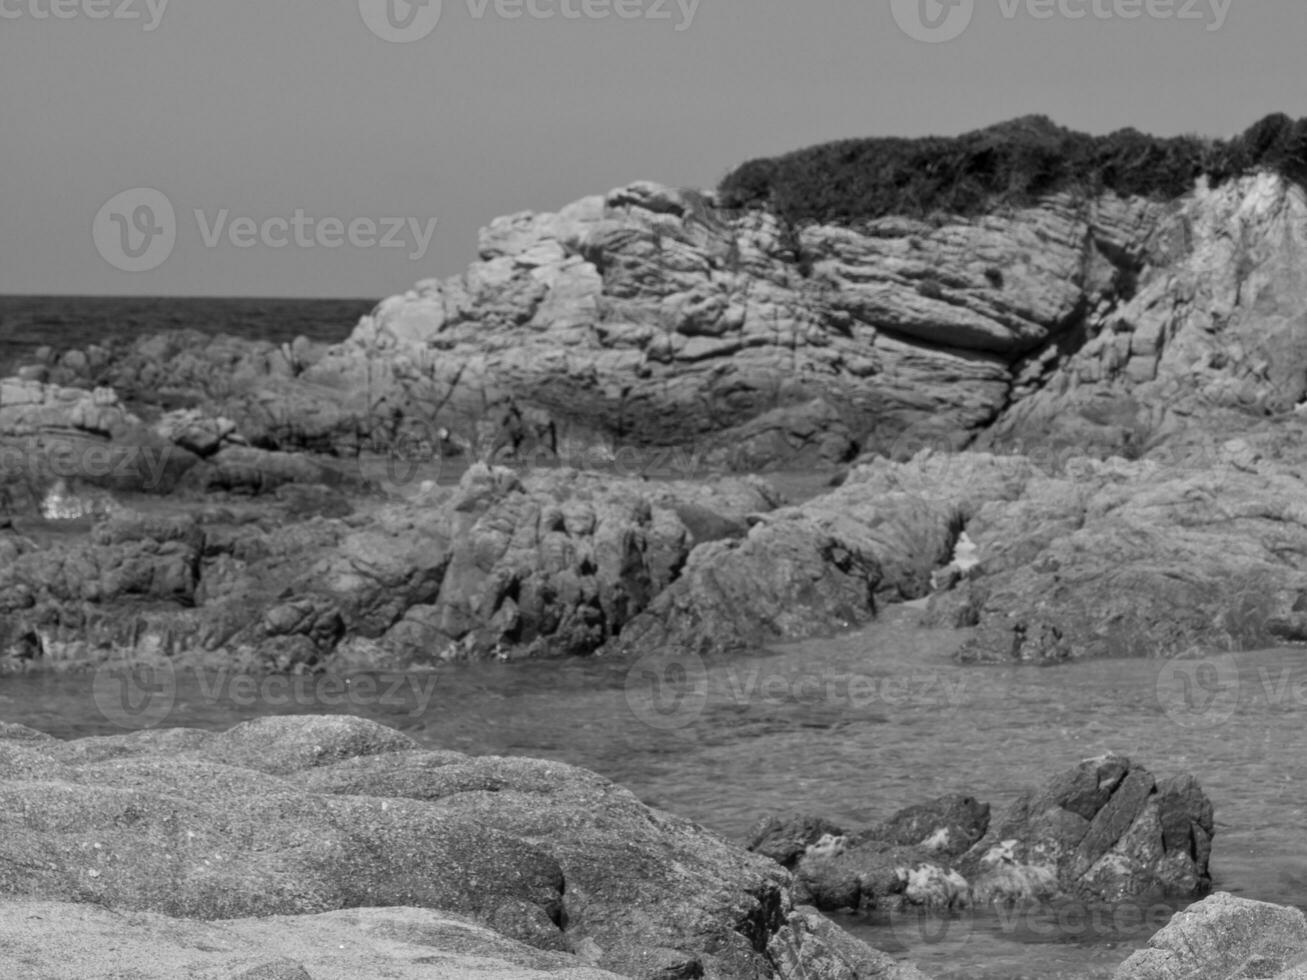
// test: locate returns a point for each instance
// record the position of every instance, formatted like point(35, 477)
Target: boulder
point(1134, 558)
point(1224, 936)
point(302, 826)
point(62, 941)
point(1102, 832)
point(1106, 830)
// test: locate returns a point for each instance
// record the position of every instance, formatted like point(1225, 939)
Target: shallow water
point(852, 727)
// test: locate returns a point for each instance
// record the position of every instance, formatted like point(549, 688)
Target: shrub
point(1013, 163)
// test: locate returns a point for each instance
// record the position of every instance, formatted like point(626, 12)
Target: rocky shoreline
point(1112, 422)
point(321, 848)
point(1074, 425)
point(327, 847)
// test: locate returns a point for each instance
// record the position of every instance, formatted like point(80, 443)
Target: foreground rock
point(306, 816)
point(1102, 832)
point(1224, 937)
point(60, 941)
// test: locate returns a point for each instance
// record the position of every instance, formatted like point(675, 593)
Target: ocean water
point(789, 730)
point(29, 322)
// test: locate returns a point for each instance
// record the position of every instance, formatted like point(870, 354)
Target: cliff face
point(1214, 337)
point(654, 316)
point(658, 319)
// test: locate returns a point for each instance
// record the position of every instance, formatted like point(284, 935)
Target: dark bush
point(1013, 163)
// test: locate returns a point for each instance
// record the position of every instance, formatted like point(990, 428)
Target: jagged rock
point(196, 433)
point(49, 432)
point(1132, 558)
point(821, 565)
point(1212, 330)
point(556, 563)
point(1221, 937)
point(296, 820)
point(811, 947)
point(947, 827)
point(1096, 832)
point(786, 839)
point(1101, 832)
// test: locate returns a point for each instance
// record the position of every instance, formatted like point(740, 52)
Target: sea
point(28, 323)
point(851, 727)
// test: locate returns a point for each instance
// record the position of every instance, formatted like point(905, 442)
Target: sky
point(350, 148)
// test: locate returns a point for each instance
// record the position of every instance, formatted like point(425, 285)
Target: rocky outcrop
point(1133, 558)
point(1116, 558)
point(49, 432)
point(1224, 936)
point(1102, 832)
point(1070, 327)
point(539, 863)
point(557, 563)
point(1211, 337)
point(651, 316)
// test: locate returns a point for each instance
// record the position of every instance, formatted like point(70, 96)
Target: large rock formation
point(1168, 329)
point(654, 317)
point(538, 863)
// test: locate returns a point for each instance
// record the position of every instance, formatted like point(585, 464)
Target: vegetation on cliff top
point(1012, 163)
